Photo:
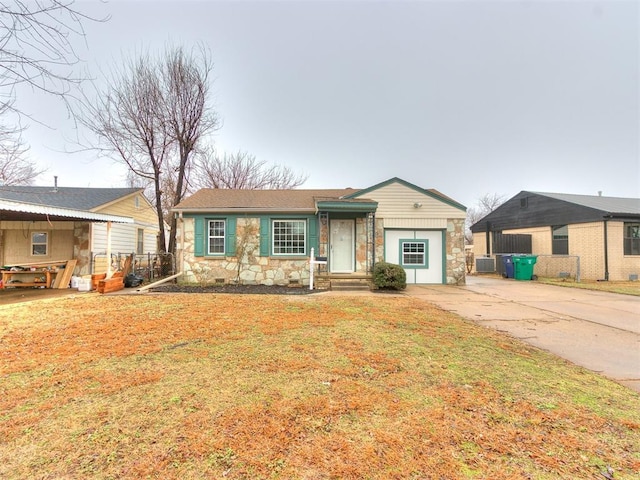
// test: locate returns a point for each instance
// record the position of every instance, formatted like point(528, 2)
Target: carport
point(28, 213)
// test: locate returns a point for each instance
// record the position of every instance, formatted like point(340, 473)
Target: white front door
point(342, 246)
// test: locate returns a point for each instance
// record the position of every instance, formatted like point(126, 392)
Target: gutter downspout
point(606, 251)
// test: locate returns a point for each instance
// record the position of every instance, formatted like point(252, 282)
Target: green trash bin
point(523, 266)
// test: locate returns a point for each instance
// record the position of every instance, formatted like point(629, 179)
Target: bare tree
point(241, 170)
point(15, 168)
point(484, 206)
point(151, 117)
point(36, 49)
point(128, 122)
point(188, 117)
point(36, 45)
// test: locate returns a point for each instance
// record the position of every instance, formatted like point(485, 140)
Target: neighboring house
point(266, 236)
point(51, 224)
point(603, 232)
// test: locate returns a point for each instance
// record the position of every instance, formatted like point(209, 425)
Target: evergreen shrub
point(389, 276)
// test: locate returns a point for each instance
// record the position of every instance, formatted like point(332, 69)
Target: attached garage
point(419, 252)
point(420, 230)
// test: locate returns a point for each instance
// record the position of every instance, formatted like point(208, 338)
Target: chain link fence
point(149, 266)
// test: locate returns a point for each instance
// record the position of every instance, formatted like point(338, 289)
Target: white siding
point(396, 201)
point(150, 242)
point(416, 223)
point(123, 238)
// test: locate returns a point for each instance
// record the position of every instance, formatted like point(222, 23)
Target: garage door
point(419, 252)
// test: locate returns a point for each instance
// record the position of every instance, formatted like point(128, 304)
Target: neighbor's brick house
point(604, 232)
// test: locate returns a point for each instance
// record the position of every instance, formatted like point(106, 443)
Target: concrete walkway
point(597, 330)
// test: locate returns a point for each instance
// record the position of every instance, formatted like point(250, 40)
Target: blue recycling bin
point(507, 262)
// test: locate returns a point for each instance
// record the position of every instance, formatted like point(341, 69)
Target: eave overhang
point(241, 210)
point(27, 211)
point(622, 216)
point(346, 206)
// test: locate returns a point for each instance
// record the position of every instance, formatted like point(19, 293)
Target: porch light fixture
point(417, 205)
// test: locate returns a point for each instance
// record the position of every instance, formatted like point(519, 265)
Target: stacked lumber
point(95, 279)
point(113, 284)
point(64, 277)
point(128, 264)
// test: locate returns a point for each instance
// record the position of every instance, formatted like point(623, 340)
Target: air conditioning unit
point(485, 265)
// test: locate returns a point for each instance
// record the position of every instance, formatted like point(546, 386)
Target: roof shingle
point(214, 198)
point(605, 204)
point(65, 197)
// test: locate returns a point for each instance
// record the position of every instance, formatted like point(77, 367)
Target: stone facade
point(81, 249)
point(247, 267)
point(456, 262)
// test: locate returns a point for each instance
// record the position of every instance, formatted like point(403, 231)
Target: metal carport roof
point(21, 211)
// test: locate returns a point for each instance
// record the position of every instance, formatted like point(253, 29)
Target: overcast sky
point(468, 98)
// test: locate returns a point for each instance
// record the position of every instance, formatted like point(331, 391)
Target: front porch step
point(350, 286)
point(343, 281)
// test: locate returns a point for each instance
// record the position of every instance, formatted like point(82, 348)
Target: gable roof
point(609, 205)
point(431, 192)
point(216, 199)
point(21, 211)
point(293, 200)
point(60, 204)
point(537, 209)
point(65, 197)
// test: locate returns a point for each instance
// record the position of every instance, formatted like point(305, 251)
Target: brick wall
point(586, 240)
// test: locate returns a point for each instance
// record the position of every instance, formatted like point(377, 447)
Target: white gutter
point(61, 212)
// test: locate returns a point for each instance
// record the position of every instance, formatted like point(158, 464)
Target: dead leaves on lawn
point(246, 387)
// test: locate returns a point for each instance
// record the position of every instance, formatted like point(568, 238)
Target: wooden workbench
point(26, 278)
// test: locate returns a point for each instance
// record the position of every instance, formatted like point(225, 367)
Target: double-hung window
point(140, 241)
point(216, 237)
point(289, 237)
point(39, 244)
point(632, 238)
point(413, 253)
point(560, 240)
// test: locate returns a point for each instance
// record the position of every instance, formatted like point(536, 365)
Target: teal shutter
point(312, 242)
point(230, 232)
point(264, 236)
point(198, 237)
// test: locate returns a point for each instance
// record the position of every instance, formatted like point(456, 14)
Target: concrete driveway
point(599, 331)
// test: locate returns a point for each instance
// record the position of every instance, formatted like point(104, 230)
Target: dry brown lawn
point(190, 386)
